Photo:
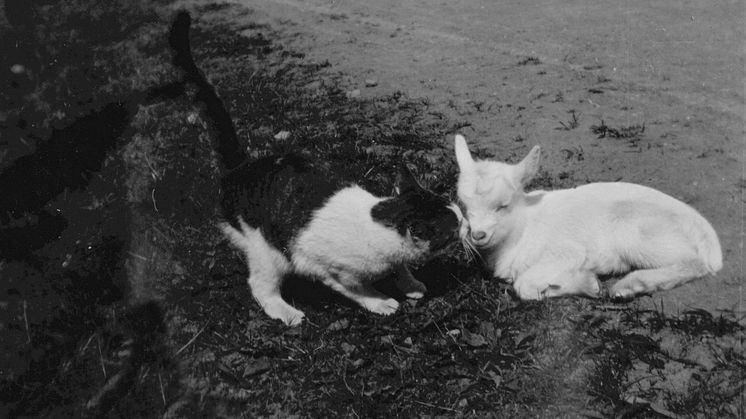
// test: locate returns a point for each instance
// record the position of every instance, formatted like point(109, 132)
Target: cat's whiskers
point(463, 234)
point(471, 251)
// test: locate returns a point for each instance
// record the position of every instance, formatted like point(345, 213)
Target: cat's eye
point(500, 208)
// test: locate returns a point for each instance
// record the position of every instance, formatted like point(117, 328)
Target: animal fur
point(347, 240)
point(554, 243)
point(287, 214)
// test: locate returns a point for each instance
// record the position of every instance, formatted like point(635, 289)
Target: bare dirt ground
point(515, 72)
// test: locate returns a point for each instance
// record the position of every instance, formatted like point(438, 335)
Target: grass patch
point(571, 124)
point(631, 134)
point(529, 61)
point(653, 365)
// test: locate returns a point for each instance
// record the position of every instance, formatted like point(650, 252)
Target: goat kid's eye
point(500, 208)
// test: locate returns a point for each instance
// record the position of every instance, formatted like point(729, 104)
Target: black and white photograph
point(372, 209)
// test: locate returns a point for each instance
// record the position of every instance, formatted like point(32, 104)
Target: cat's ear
point(463, 156)
point(405, 181)
point(526, 170)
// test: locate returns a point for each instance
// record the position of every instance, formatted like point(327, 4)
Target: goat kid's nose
point(478, 235)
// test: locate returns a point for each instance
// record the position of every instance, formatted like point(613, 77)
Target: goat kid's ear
point(463, 156)
point(405, 181)
point(528, 167)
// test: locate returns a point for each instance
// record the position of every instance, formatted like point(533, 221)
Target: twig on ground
point(88, 342)
point(137, 256)
point(110, 385)
point(435, 406)
point(25, 322)
point(101, 356)
point(192, 339)
point(152, 198)
point(163, 394)
point(446, 334)
point(344, 378)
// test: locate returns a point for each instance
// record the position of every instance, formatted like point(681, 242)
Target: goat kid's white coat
point(554, 243)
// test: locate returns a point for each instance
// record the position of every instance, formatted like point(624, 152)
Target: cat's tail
point(228, 146)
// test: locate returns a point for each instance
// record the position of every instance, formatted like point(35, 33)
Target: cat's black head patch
point(415, 209)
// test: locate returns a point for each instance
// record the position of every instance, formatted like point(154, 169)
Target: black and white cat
point(289, 215)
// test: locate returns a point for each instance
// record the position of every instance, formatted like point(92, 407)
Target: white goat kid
point(554, 243)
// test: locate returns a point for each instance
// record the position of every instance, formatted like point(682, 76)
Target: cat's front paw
point(295, 318)
point(415, 290)
point(384, 307)
point(416, 295)
point(407, 284)
point(285, 313)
